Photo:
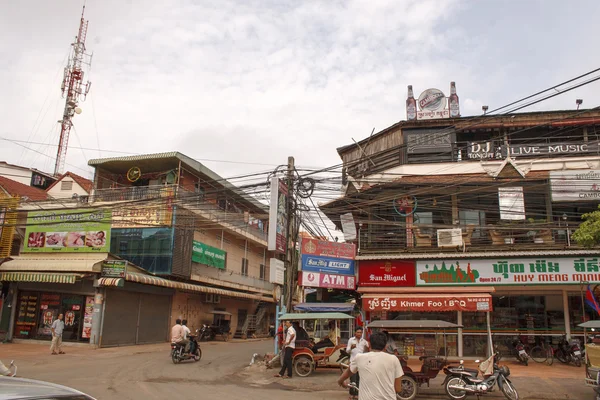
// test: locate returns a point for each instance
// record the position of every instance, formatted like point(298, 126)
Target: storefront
point(530, 298)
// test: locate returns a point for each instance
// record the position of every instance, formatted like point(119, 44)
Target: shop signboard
point(208, 255)
point(72, 231)
point(575, 185)
point(327, 265)
point(276, 271)
point(422, 141)
point(386, 273)
point(114, 269)
point(432, 105)
point(512, 203)
point(509, 271)
point(278, 217)
point(533, 150)
point(329, 281)
point(483, 151)
point(428, 303)
point(141, 217)
point(326, 248)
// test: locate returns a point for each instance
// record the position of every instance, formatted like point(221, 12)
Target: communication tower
point(73, 89)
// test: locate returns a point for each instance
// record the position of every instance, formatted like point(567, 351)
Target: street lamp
point(568, 232)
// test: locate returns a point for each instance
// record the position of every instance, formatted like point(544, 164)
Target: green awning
point(46, 277)
point(307, 316)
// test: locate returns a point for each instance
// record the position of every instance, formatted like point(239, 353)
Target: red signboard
point(387, 273)
point(331, 281)
point(428, 302)
point(328, 249)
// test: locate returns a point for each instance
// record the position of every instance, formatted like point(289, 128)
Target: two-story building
point(194, 245)
point(460, 216)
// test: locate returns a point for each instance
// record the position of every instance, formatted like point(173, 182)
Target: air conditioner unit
point(449, 237)
point(216, 299)
point(213, 298)
point(210, 298)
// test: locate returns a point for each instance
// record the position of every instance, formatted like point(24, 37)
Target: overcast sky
point(256, 81)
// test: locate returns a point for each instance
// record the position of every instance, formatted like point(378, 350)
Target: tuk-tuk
point(432, 364)
point(304, 360)
point(592, 359)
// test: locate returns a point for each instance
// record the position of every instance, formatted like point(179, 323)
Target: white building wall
point(20, 175)
point(57, 191)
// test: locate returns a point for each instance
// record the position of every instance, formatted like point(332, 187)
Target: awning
point(406, 324)
point(427, 289)
point(118, 282)
point(63, 262)
point(309, 316)
point(217, 312)
point(45, 277)
point(156, 281)
point(428, 302)
point(324, 307)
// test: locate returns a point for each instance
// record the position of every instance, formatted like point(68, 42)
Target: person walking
point(356, 345)
point(380, 373)
point(57, 328)
point(289, 345)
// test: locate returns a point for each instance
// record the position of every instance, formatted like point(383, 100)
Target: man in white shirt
point(57, 328)
point(380, 372)
point(186, 335)
point(356, 345)
point(289, 346)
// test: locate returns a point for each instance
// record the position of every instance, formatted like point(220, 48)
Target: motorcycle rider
point(177, 335)
point(186, 335)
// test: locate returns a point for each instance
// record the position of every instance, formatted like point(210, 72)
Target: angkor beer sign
point(509, 271)
point(432, 104)
point(575, 185)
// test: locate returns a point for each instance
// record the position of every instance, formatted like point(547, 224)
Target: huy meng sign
point(509, 271)
point(327, 257)
point(386, 273)
point(323, 280)
point(72, 231)
point(575, 185)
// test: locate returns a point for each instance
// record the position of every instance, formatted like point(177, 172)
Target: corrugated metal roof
point(479, 254)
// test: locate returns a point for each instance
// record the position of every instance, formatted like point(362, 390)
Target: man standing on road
point(356, 345)
point(380, 372)
point(289, 346)
point(57, 328)
point(178, 335)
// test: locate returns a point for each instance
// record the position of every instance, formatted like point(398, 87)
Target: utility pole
point(290, 240)
point(72, 87)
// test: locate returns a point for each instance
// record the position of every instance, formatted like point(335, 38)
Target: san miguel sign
point(509, 271)
point(388, 273)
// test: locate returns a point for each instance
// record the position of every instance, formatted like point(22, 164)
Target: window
point(473, 217)
point(245, 266)
point(263, 272)
point(66, 185)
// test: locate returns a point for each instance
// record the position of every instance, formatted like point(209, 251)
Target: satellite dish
point(134, 174)
point(78, 110)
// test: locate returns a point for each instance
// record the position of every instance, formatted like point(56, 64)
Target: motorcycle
point(11, 370)
point(569, 351)
point(520, 352)
point(461, 382)
point(343, 359)
point(178, 353)
point(208, 332)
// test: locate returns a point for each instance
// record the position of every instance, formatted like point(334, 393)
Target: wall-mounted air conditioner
point(449, 237)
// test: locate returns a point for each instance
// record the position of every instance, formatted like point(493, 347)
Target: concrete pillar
point(459, 339)
point(97, 318)
point(567, 316)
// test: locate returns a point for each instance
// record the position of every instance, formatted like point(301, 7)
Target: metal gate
point(134, 318)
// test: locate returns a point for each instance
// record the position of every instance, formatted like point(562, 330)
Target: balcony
point(394, 238)
point(233, 221)
point(200, 271)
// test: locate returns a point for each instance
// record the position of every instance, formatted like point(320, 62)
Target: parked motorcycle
point(210, 332)
point(520, 352)
point(178, 353)
point(11, 370)
point(461, 382)
point(569, 351)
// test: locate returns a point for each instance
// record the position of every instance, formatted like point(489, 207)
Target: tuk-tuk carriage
point(304, 360)
point(592, 359)
point(432, 364)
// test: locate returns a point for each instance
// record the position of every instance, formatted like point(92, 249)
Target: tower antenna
point(73, 89)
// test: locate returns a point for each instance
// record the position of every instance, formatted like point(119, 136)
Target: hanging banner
point(348, 227)
point(575, 185)
point(208, 255)
point(330, 281)
point(512, 203)
point(278, 217)
point(509, 271)
point(386, 273)
point(72, 231)
point(428, 302)
point(276, 271)
point(326, 248)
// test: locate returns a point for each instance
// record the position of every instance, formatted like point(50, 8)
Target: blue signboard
point(328, 265)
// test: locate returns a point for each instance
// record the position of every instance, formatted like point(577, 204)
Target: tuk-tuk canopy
point(324, 307)
point(407, 324)
point(309, 316)
point(590, 324)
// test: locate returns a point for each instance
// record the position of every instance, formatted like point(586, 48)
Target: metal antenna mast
point(73, 88)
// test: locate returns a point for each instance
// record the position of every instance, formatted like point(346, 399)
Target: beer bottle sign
point(411, 105)
point(453, 100)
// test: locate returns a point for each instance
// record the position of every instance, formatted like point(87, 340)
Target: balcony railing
point(189, 200)
point(231, 277)
point(394, 238)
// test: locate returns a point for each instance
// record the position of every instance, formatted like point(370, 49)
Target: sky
point(242, 85)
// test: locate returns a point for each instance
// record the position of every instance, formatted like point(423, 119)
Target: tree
point(588, 233)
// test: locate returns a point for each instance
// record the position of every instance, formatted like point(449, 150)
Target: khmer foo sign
point(428, 302)
point(509, 271)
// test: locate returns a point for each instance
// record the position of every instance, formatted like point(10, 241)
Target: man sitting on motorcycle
point(178, 335)
point(186, 335)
